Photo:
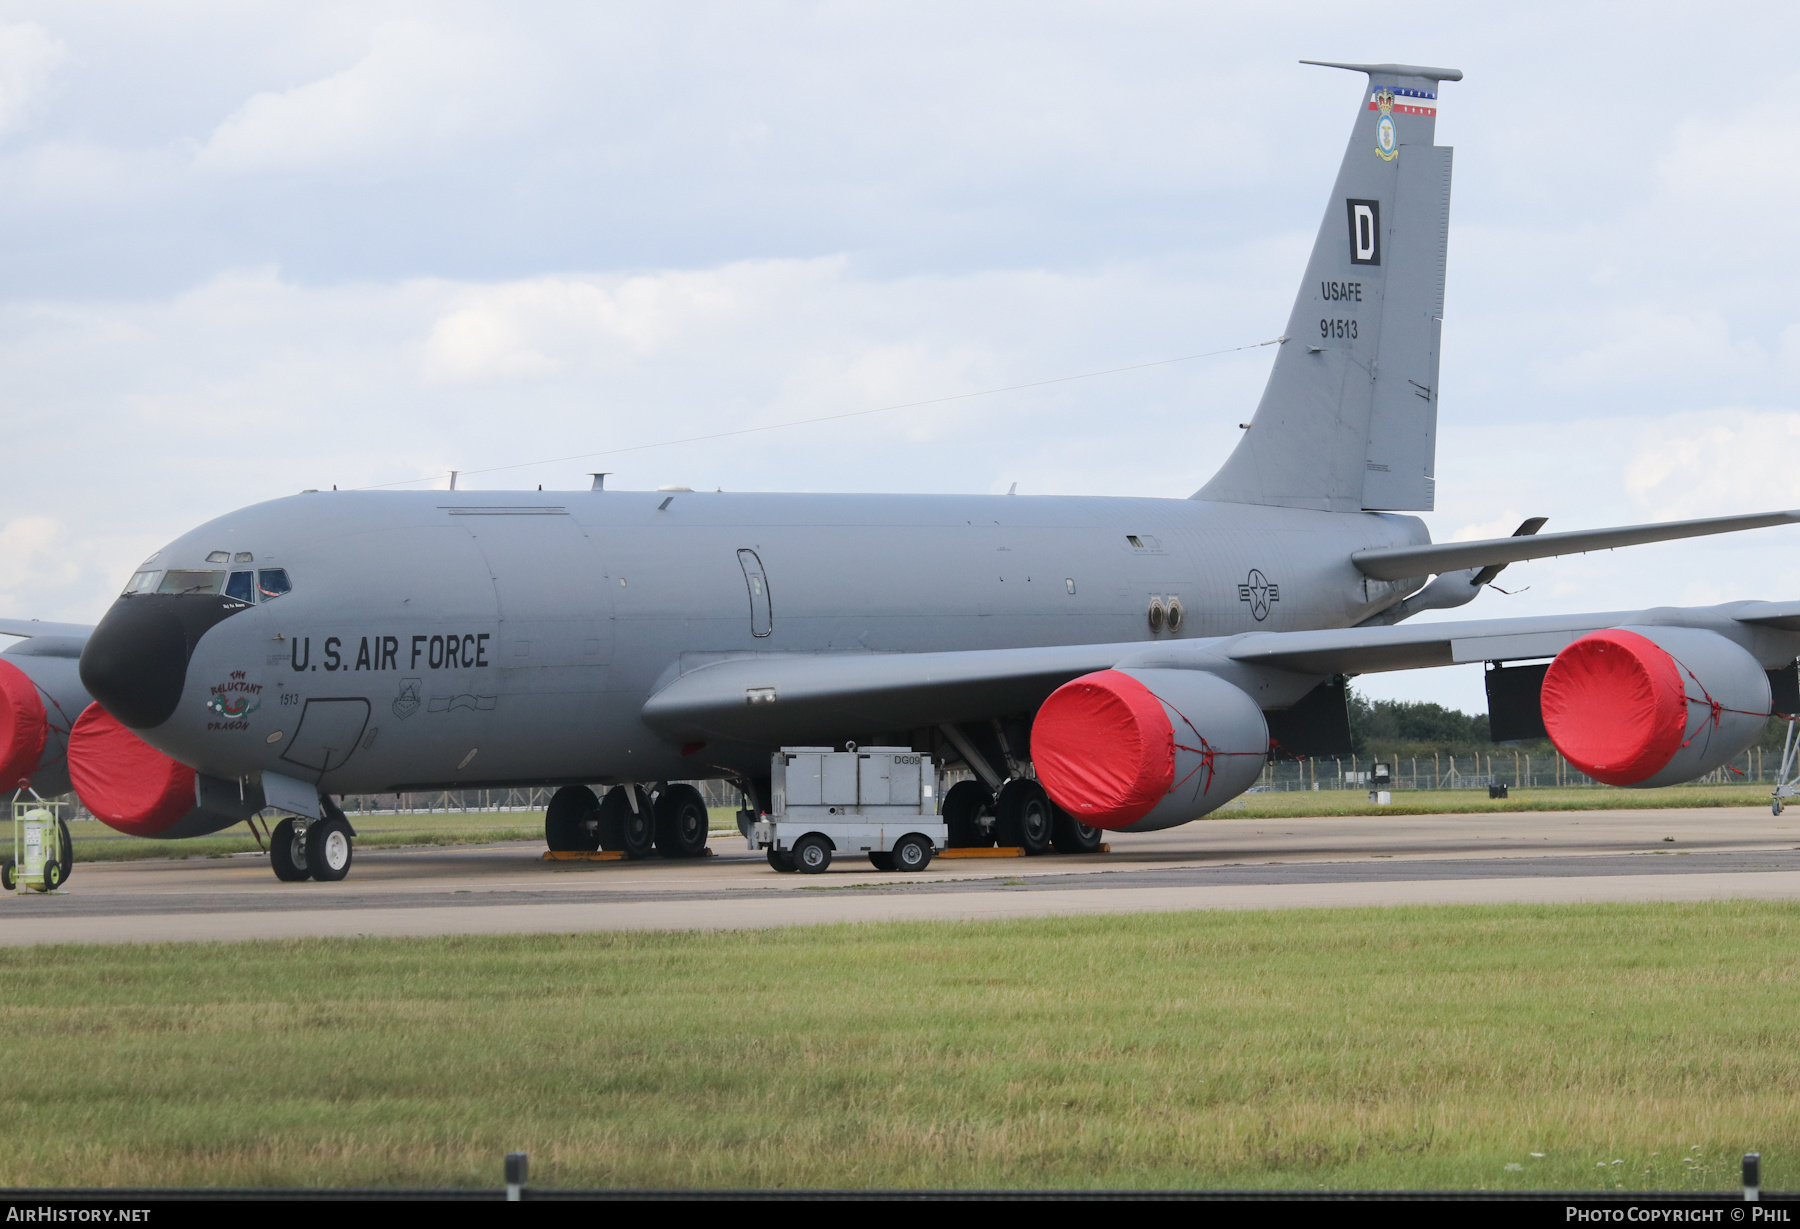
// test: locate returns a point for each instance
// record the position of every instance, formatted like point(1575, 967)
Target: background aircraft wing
point(1401, 562)
point(1783, 616)
point(35, 627)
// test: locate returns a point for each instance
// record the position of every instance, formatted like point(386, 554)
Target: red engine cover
point(123, 780)
point(1615, 706)
point(1147, 748)
point(23, 727)
point(1104, 748)
point(1653, 705)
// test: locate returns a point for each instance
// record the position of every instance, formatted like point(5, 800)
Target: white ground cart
point(881, 801)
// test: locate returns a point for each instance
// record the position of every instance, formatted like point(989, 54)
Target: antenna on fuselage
point(600, 480)
point(453, 474)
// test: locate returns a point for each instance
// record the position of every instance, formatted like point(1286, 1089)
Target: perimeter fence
point(1514, 769)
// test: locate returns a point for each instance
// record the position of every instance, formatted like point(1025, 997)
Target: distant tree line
point(1405, 728)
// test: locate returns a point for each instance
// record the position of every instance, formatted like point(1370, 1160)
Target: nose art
point(135, 662)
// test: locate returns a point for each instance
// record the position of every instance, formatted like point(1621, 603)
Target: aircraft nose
point(135, 662)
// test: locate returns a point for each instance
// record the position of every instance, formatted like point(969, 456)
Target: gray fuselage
point(511, 638)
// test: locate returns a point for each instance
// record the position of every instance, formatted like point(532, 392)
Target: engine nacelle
point(131, 786)
point(1649, 706)
point(1139, 750)
point(40, 697)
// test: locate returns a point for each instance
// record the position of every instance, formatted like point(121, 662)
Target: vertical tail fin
point(1348, 421)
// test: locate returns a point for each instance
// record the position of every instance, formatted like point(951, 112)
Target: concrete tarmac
point(1549, 857)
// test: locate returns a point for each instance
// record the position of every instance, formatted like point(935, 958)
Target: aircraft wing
point(792, 697)
point(36, 627)
point(806, 697)
point(1401, 562)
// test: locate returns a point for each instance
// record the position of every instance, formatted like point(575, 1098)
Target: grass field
point(1575, 1047)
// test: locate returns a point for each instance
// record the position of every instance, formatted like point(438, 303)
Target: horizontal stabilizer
point(1394, 70)
point(1402, 562)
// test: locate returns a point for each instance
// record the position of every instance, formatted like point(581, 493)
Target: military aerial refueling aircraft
point(1095, 663)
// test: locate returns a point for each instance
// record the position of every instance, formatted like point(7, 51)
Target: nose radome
point(135, 662)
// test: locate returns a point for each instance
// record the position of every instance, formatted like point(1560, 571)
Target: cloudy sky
point(255, 248)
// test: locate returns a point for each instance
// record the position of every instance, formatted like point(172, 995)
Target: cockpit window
point(242, 556)
point(272, 583)
point(219, 556)
point(178, 581)
point(242, 586)
point(245, 586)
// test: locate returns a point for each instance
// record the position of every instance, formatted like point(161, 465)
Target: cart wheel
point(9, 876)
point(782, 860)
point(68, 849)
point(881, 861)
point(911, 853)
point(812, 854)
point(53, 875)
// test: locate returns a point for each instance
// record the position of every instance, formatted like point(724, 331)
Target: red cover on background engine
point(1104, 749)
point(23, 727)
point(1614, 704)
point(123, 780)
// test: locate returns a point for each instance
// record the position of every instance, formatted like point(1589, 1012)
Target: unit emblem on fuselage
point(233, 702)
point(406, 702)
point(1259, 591)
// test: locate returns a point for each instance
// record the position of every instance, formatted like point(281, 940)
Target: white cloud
point(1639, 345)
point(28, 56)
point(1720, 163)
point(1716, 463)
point(515, 328)
point(421, 89)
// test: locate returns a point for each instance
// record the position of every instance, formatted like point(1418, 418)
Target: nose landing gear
point(321, 849)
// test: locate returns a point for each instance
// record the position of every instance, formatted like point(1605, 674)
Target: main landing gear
point(1022, 816)
point(320, 849)
point(630, 820)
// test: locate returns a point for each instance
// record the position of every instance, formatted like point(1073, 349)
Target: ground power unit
point(881, 801)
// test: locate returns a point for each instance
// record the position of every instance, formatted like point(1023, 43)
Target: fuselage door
point(762, 616)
